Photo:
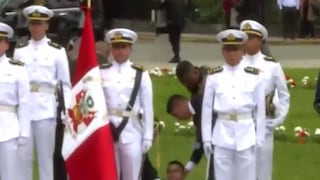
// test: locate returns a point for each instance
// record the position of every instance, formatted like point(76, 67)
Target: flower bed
point(297, 135)
point(305, 82)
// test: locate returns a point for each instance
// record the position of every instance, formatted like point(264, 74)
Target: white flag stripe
point(94, 89)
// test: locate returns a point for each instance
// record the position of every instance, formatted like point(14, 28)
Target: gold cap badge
point(247, 26)
point(117, 35)
point(36, 14)
point(231, 37)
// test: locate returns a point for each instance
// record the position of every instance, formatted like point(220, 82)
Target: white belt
point(235, 116)
point(122, 113)
point(8, 108)
point(35, 87)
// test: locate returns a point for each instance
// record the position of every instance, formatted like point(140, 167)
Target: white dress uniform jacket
point(118, 81)
point(234, 91)
point(47, 64)
point(14, 92)
point(274, 81)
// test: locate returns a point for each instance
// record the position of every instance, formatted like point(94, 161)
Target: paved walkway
point(211, 38)
point(157, 52)
point(151, 51)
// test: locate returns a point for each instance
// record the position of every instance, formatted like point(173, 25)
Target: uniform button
point(232, 86)
point(233, 98)
point(119, 82)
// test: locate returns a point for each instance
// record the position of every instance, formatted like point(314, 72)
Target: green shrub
point(208, 11)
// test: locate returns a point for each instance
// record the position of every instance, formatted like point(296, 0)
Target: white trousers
point(43, 132)
point(129, 159)
point(25, 158)
point(264, 158)
point(234, 165)
point(10, 167)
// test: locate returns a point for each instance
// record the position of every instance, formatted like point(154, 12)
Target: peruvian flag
point(87, 144)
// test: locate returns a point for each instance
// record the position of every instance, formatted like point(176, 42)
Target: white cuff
point(189, 166)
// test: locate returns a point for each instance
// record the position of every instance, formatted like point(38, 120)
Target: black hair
point(5, 39)
point(232, 47)
point(172, 101)
point(183, 68)
point(176, 162)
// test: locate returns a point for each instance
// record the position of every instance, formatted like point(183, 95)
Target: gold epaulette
point(269, 58)
point(16, 62)
point(54, 44)
point(215, 70)
point(137, 67)
point(22, 44)
point(207, 68)
point(105, 65)
point(252, 70)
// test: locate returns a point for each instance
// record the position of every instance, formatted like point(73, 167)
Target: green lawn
point(292, 161)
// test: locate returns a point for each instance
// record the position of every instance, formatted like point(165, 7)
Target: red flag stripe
point(84, 168)
point(91, 155)
point(86, 50)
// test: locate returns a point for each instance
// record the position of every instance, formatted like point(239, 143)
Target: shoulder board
point(22, 44)
point(137, 67)
point(215, 70)
point(16, 62)
point(105, 65)
point(269, 58)
point(54, 44)
point(206, 68)
point(252, 70)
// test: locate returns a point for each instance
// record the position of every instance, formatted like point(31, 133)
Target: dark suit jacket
point(176, 11)
point(149, 172)
point(316, 103)
point(249, 9)
point(196, 103)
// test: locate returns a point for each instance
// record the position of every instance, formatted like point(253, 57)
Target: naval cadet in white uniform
point(14, 110)
point(277, 94)
point(47, 64)
point(235, 92)
point(133, 138)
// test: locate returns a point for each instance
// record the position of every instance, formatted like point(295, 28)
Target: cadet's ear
point(47, 25)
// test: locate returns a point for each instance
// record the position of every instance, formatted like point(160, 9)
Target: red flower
point(165, 70)
point(302, 135)
point(287, 77)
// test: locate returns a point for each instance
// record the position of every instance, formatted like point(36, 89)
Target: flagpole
point(158, 159)
point(89, 3)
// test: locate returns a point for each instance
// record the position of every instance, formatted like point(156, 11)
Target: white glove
point(21, 141)
point(207, 148)
point(189, 166)
point(146, 145)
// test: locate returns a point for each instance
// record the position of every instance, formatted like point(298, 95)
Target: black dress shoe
point(175, 60)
